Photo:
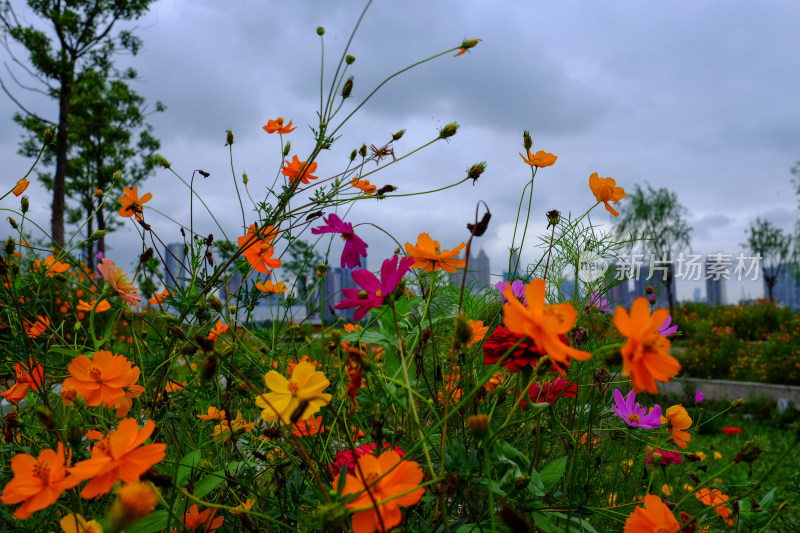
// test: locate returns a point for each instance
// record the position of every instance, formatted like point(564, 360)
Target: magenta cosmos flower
point(666, 330)
point(373, 291)
point(633, 413)
point(354, 247)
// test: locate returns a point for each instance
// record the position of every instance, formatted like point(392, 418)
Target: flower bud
point(320, 31)
point(553, 217)
point(46, 418)
point(463, 329)
point(656, 458)
point(10, 246)
point(448, 131)
point(215, 304)
point(209, 368)
point(244, 178)
point(399, 135)
point(49, 135)
point(348, 87)
point(162, 161)
point(737, 402)
point(74, 435)
point(228, 137)
point(478, 424)
point(13, 223)
point(749, 453)
point(469, 43)
point(363, 150)
point(322, 269)
point(97, 235)
point(649, 289)
point(287, 148)
point(527, 142)
point(353, 154)
point(476, 170)
point(116, 176)
point(24, 204)
point(98, 193)
point(349, 59)
point(146, 256)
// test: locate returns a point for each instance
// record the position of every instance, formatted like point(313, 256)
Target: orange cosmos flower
point(718, 500)
point(132, 204)
point(678, 420)
point(75, 523)
point(426, 255)
point(20, 187)
point(387, 478)
point(304, 359)
point(119, 455)
point(654, 517)
point(289, 396)
point(478, 331)
point(213, 414)
point(159, 298)
point(218, 330)
point(204, 522)
point(271, 288)
point(38, 482)
point(258, 251)
point(606, 190)
point(102, 306)
point(27, 376)
point(118, 280)
point(295, 170)
point(364, 185)
point(276, 126)
point(134, 502)
point(645, 357)
point(231, 428)
point(243, 507)
point(312, 426)
point(38, 327)
point(131, 391)
point(546, 325)
point(539, 159)
point(52, 266)
point(101, 379)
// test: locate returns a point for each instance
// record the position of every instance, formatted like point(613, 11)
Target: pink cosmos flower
point(665, 330)
point(354, 247)
point(118, 280)
point(373, 291)
point(699, 396)
point(348, 457)
point(662, 458)
point(633, 413)
point(597, 301)
point(517, 287)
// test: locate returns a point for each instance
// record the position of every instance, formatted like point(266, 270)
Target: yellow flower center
point(42, 471)
point(346, 236)
point(279, 121)
point(378, 293)
point(264, 248)
point(634, 418)
point(95, 374)
point(293, 388)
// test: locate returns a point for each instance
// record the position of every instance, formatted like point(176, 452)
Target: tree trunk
point(59, 180)
point(89, 230)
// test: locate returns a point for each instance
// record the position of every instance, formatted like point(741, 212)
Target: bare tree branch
point(34, 89)
point(22, 107)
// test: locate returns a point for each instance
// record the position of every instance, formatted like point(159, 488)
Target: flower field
point(137, 402)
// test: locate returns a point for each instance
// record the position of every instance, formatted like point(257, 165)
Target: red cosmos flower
point(501, 341)
point(732, 431)
point(354, 247)
point(28, 376)
point(295, 170)
point(550, 391)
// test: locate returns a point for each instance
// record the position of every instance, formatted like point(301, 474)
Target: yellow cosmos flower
point(295, 399)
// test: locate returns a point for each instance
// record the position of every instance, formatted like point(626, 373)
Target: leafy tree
point(78, 38)
point(773, 246)
point(657, 218)
point(107, 117)
point(303, 268)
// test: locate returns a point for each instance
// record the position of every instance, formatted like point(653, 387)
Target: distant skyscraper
point(174, 261)
point(696, 295)
point(716, 272)
point(478, 272)
point(335, 280)
point(786, 290)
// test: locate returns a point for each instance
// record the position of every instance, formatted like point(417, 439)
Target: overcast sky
point(699, 97)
